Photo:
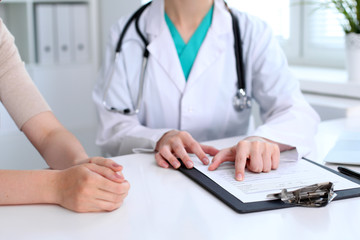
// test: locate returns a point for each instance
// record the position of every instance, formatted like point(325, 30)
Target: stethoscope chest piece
point(241, 101)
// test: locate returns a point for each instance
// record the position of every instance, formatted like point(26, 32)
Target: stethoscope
point(240, 101)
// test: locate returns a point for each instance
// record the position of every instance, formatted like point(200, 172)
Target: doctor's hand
point(256, 153)
point(177, 144)
point(87, 188)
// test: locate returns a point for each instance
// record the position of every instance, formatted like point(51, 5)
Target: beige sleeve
point(18, 93)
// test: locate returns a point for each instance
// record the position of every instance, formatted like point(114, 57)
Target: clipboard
point(241, 207)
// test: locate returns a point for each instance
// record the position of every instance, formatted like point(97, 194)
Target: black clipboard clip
point(316, 195)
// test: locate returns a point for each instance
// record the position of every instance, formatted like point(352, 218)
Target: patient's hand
point(91, 187)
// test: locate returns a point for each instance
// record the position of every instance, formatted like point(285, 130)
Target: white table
point(165, 204)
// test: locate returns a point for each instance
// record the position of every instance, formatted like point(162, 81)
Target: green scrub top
point(187, 52)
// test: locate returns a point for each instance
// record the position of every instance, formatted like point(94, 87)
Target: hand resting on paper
point(256, 153)
point(178, 144)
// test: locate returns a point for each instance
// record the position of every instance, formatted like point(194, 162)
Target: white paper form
point(291, 174)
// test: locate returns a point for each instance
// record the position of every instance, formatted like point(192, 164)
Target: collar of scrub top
point(240, 101)
point(188, 51)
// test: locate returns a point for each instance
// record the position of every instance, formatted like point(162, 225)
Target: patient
point(81, 184)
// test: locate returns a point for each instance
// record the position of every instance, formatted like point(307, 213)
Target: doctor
point(190, 81)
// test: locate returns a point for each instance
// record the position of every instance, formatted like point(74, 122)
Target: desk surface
point(165, 204)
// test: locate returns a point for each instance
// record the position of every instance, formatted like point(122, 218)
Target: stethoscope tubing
point(128, 111)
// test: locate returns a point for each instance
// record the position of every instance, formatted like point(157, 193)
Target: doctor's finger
point(209, 150)
point(275, 158)
point(161, 161)
point(168, 156)
point(240, 163)
point(192, 146)
point(267, 159)
point(256, 157)
point(223, 156)
point(181, 153)
point(195, 147)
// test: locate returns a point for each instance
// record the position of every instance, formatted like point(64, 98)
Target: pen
point(349, 172)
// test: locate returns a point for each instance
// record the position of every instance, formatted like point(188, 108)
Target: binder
point(64, 36)
point(80, 16)
point(44, 25)
point(240, 207)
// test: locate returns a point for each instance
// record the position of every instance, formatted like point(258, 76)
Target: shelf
point(67, 86)
point(20, 18)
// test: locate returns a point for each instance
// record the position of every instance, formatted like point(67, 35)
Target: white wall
point(109, 12)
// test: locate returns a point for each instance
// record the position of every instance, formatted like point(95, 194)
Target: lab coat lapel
point(212, 47)
point(214, 43)
point(162, 47)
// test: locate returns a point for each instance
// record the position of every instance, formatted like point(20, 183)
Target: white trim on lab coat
point(201, 106)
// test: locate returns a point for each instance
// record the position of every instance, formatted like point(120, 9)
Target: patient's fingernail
point(205, 160)
point(239, 177)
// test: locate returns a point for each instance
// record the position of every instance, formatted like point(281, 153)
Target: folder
point(44, 25)
point(81, 29)
point(64, 36)
point(247, 207)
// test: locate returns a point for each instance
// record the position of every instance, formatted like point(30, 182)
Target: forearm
point(27, 187)
point(58, 146)
point(61, 149)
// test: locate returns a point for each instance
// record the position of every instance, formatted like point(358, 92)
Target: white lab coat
point(202, 105)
